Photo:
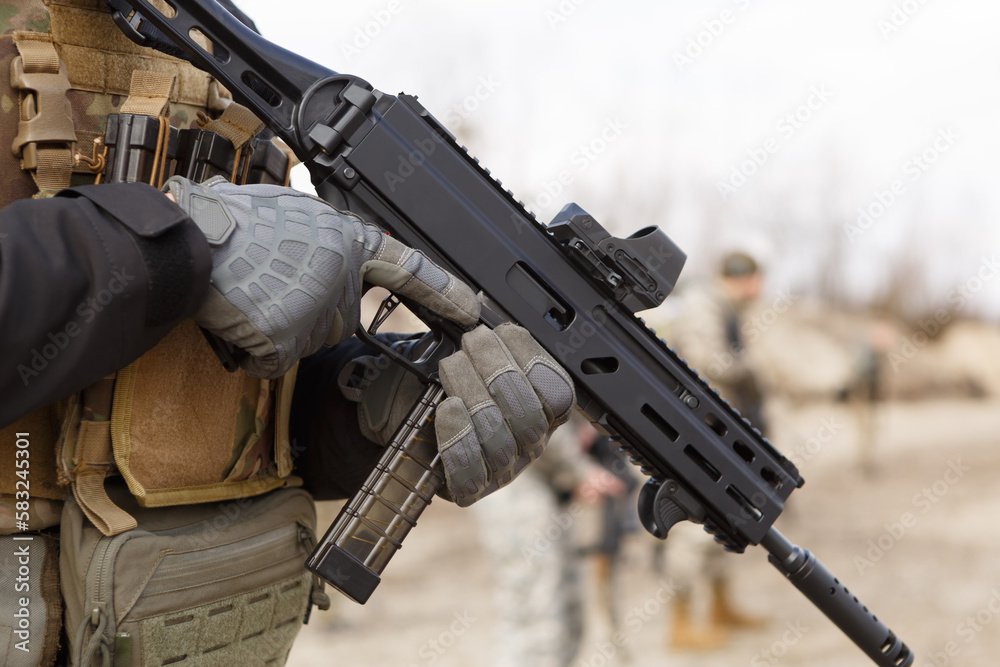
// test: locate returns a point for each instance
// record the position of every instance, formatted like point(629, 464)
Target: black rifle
point(571, 284)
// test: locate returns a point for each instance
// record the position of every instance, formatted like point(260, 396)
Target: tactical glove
point(505, 397)
point(287, 270)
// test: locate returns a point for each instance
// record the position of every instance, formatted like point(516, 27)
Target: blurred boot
point(685, 635)
point(657, 556)
point(725, 617)
point(605, 586)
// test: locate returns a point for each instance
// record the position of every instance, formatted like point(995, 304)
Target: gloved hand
point(505, 397)
point(287, 270)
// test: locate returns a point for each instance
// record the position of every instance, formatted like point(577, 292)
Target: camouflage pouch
point(209, 584)
point(179, 429)
point(183, 430)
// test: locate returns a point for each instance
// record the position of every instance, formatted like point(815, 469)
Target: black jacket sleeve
point(90, 280)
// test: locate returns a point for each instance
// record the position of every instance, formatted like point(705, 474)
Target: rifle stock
point(571, 284)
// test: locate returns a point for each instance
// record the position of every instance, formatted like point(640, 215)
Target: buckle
point(46, 116)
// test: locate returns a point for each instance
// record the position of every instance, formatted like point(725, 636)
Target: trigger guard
point(424, 367)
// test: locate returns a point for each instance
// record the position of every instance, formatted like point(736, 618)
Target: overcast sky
point(672, 97)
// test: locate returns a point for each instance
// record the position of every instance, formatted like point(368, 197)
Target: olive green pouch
point(207, 584)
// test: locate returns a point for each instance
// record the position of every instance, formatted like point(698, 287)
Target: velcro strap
point(93, 459)
point(45, 133)
point(239, 126)
point(149, 94)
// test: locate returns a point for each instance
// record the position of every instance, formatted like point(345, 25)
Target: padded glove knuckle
point(281, 259)
point(288, 270)
point(512, 395)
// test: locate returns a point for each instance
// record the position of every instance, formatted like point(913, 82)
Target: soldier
point(102, 289)
point(707, 334)
point(530, 540)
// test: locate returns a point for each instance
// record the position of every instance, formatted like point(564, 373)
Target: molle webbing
point(86, 66)
point(100, 59)
point(240, 127)
point(92, 458)
point(86, 457)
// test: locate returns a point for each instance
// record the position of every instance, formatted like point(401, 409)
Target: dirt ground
point(916, 539)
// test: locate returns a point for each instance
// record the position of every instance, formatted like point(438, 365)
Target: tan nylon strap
point(149, 94)
point(95, 503)
point(282, 412)
point(237, 123)
point(45, 135)
point(94, 447)
point(39, 56)
point(97, 71)
point(55, 167)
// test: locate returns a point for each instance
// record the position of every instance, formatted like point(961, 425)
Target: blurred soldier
point(708, 333)
point(618, 519)
point(530, 539)
point(866, 390)
point(708, 336)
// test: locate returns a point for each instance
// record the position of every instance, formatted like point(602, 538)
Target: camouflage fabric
point(253, 459)
point(530, 538)
point(96, 401)
point(707, 335)
point(14, 16)
point(84, 35)
point(692, 556)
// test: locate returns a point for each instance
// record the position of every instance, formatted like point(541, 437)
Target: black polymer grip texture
point(372, 525)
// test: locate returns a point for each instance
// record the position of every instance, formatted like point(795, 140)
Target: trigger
point(389, 304)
